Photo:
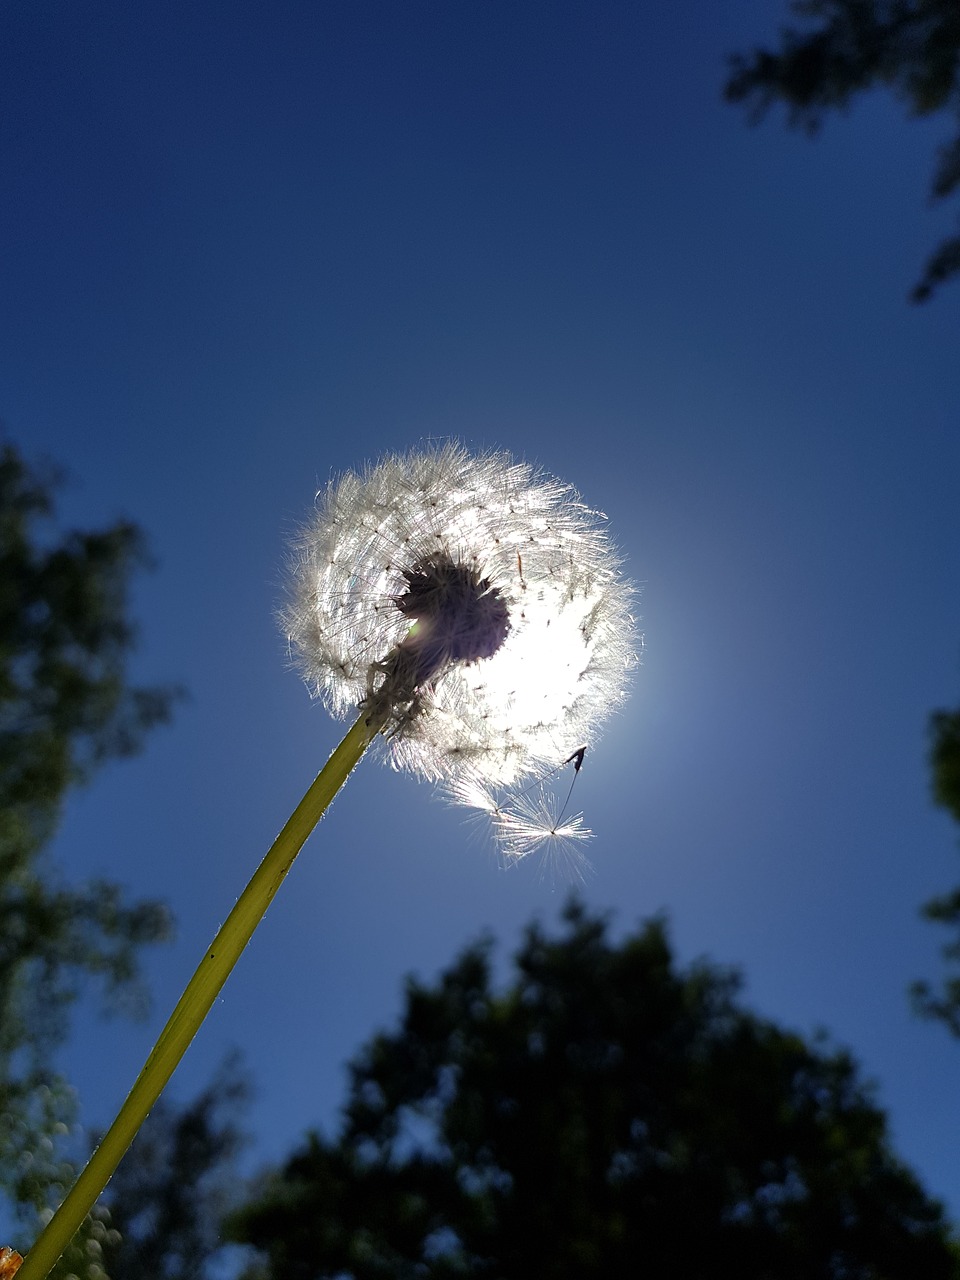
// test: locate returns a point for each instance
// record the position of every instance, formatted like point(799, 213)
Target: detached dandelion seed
point(472, 612)
point(531, 823)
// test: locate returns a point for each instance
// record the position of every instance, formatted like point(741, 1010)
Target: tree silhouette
point(607, 1115)
point(911, 47)
point(65, 707)
point(945, 909)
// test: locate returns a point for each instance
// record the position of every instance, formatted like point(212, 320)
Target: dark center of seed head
point(457, 616)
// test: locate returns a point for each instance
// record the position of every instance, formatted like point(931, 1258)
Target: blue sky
point(248, 246)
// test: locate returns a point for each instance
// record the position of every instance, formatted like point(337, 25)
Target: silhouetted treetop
point(606, 1115)
point(911, 47)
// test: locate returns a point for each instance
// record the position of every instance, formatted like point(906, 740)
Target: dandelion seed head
point(473, 607)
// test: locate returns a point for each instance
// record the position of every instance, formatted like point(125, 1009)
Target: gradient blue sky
point(246, 246)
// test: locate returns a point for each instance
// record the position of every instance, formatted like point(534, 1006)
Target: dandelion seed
point(532, 819)
point(532, 824)
point(10, 1262)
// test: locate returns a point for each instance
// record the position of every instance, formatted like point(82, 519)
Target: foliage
point(606, 1115)
point(945, 759)
point(945, 909)
point(911, 47)
point(65, 708)
point(166, 1199)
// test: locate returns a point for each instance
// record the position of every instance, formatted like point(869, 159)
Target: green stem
point(194, 1004)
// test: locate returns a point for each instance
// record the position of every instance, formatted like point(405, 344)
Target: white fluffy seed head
point(472, 606)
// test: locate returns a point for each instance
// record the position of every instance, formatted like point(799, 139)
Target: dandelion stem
point(195, 1003)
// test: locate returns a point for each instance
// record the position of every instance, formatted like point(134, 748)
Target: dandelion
point(473, 608)
point(472, 613)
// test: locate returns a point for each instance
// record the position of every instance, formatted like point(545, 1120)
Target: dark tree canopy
point(911, 47)
point(945, 759)
point(945, 779)
point(65, 707)
point(607, 1115)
